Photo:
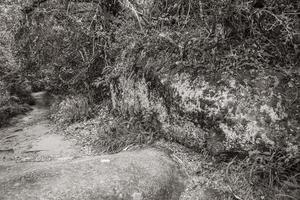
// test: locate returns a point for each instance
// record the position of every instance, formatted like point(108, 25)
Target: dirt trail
point(32, 138)
point(38, 163)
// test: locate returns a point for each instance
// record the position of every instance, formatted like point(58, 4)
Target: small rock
point(105, 161)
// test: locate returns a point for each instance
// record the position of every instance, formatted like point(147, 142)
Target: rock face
point(145, 174)
point(233, 114)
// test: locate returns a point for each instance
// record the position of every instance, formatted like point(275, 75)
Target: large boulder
point(144, 174)
point(219, 112)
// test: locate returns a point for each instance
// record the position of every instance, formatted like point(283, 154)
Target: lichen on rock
point(241, 115)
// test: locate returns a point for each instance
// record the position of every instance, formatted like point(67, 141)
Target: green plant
point(71, 109)
point(276, 169)
point(10, 106)
point(121, 132)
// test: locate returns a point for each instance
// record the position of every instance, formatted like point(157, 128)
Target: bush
point(120, 132)
point(276, 167)
point(108, 133)
point(71, 109)
point(7, 112)
point(10, 106)
point(22, 93)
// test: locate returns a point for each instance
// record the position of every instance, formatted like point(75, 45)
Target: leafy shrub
point(123, 131)
point(78, 32)
point(108, 133)
point(10, 106)
point(22, 93)
point(276, 166)
point(71, 109)
point(12, 110)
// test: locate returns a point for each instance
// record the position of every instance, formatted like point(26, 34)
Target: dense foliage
point(85, 49)
point(13, 85)
point(68, 46)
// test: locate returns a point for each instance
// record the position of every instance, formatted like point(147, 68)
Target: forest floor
point(39, 162)
point(32, 138)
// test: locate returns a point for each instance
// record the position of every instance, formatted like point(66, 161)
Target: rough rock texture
point(259, 110)
point(145, 174)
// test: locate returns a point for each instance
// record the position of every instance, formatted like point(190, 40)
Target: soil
point(32, 137)
point(38, 162)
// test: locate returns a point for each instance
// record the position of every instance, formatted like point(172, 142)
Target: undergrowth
point(11, 106)
point(71, 109)
point(235, 179)
point(122, 132)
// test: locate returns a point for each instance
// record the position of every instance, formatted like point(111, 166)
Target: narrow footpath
point(31, 138)
point(38, 163)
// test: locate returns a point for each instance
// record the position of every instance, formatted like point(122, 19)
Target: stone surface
point(144, 174)
point(234, 114)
